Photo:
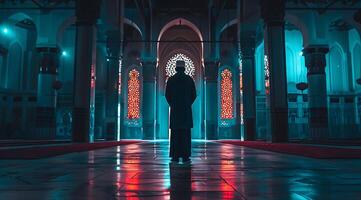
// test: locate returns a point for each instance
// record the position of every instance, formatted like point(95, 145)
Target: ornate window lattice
point(133, 95)
point(267, 75)
point(171, 64)
point(226, 95)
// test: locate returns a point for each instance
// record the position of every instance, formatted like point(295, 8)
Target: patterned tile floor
point(142, 171)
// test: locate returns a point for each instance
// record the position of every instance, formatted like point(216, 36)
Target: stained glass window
point(226, 95)
point(133, 95)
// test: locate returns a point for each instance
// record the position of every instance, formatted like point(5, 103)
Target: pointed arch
point(185, 22)
point(356, 63)
point(337, 73)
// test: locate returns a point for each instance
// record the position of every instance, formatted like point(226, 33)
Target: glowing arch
point(337, 76)
point(182, 21)
point(302, 27)
point(171, 65)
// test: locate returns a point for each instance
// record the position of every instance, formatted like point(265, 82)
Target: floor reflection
point(180, 181)
point(142, 171)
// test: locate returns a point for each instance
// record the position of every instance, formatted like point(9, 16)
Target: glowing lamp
point(302, 86)
point(64, 53)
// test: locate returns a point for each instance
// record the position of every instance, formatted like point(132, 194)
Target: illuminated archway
point(175, 45)
point(171, 65)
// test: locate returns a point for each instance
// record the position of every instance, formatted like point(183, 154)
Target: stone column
point(3, 54)
point(211, 99)
point(113, 59)
point(315, 60)
point(274, 42)
point(248, 43)
point(46, 94)
point(149, 99)
point(87, 13)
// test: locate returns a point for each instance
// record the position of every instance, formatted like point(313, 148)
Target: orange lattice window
point(133, 95)
point(226, 95)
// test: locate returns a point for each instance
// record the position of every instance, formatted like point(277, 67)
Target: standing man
point(180, 94)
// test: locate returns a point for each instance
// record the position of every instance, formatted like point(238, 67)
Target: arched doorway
point(179, 40)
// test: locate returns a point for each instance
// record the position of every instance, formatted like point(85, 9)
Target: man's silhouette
point(180, 94)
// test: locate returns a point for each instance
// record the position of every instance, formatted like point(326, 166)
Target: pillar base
point(148, 130)
point(45, 123)
point(111, 130)
point(279, 125)
point(80, 125)
point(232, 132)
point(250, 129)
point(318, 133)
point(211, 131)
point(132, 133)
point(318, 123)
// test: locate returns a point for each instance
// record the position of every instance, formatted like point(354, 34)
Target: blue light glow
point(5, 30)
point(64, 53)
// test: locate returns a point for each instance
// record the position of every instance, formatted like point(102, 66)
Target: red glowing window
point(133, 95)
point(226, 95)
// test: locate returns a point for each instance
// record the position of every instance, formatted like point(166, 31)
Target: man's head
point(180, 66)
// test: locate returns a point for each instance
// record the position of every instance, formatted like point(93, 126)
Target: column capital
point(3, 50)
point(248, 44)
point(357, 16)
point(318, 48)
point(148, 58)
point(149, 63)
point(149, 70)
point(87, 12)
point(48, 49)
point(315, 58)
point(49, 59)
point(273, 12)
point(113, 44)
point(211, 70)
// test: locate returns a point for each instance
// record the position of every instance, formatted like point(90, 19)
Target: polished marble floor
point(142, 171)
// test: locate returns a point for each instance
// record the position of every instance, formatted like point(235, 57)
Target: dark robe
point(180, 94)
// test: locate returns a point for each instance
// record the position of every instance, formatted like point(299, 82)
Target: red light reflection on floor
point(227, 168)
point(131, 168)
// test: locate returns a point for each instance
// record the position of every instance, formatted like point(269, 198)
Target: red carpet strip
point(37, 152)
point(10, 143)
point(319, 152)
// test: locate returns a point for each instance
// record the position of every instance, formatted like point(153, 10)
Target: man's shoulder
point(189, 78)
point(170, 79)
